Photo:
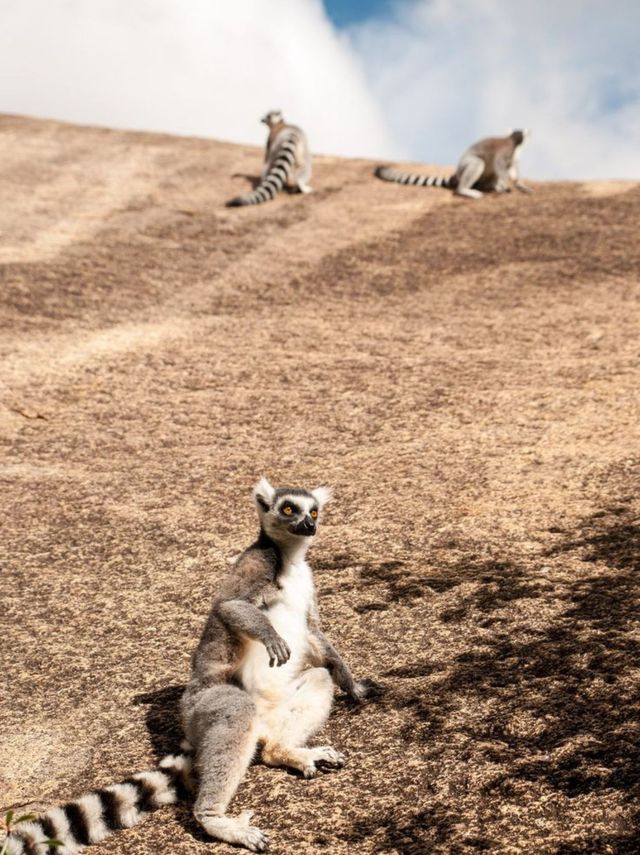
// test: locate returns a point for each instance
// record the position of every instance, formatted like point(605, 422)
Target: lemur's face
point(287, 513)
point(272, 118)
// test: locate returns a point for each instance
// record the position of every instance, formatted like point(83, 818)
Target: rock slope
point(464, 374)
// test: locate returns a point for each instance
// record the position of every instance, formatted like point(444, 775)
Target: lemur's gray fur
point(490, 165)
point(262, 680)
point(286, 157)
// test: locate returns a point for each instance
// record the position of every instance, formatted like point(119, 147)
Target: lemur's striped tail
point(388, 174)
point(93, 817)
point(277, 176)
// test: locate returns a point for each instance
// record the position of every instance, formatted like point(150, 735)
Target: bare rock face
point(463, 374)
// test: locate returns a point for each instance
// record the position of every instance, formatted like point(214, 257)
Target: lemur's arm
point(523, 188)
point(330, 658)
point(242, 617)
point(514, 176)
point(358, 690)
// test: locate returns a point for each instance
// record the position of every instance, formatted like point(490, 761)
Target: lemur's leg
point(469, 171)
point(304, 175)
point(221, 722)
point(289, 725)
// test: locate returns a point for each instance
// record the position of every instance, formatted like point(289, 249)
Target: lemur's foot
point(236, 830)
point(325, 757)
point(470, 193)
point(328, 756)
point(305, 188)
point(368, 689)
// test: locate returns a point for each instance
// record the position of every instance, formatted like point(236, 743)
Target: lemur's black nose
point(308, 526)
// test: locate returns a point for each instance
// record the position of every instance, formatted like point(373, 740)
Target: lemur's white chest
point(288, 616)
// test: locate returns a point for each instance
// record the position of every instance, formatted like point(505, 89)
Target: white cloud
point(188, 66)
point(447, 72)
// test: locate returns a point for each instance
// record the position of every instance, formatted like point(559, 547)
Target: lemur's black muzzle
point(306, 527)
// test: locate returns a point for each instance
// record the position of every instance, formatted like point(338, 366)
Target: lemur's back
point(287, 158)
point(496, 152)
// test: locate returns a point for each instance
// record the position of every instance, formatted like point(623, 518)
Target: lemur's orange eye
point(314, 515)
point(288, 510)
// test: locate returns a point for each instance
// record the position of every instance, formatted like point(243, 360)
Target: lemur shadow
point(165, 730)
point(255, 180)
point(163, 719)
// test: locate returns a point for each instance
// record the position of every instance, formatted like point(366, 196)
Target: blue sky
point(346, 12)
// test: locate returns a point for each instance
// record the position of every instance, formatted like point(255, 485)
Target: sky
point(388, 79)
point(346, 12)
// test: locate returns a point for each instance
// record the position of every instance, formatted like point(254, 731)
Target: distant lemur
point(488, 165)
point(286, 158)
point(262, 681)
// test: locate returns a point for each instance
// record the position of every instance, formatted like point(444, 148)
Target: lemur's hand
point(364, 690)
point(278, 650)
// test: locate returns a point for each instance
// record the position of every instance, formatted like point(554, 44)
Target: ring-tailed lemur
point(262, 676)
point(488, 165)
point(287, 150)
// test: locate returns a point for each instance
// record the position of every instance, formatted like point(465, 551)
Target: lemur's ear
point(264, 494)
point(321, 495)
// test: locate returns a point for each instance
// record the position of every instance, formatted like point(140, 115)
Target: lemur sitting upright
point(262, 678)
point(287, 150)
point(263, 671)
point(488, 165)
